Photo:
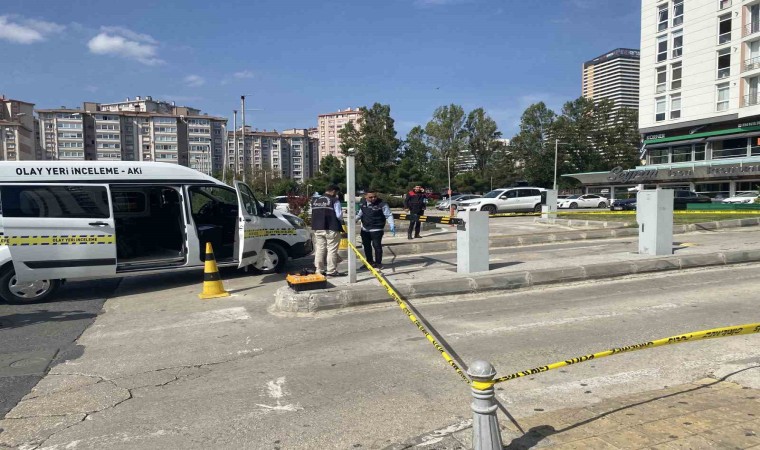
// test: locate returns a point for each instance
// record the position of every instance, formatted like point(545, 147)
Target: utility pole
point(242, 112)
point(235, 151)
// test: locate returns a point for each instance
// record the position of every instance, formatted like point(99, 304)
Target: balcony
point(752, 63)
point(751, 28)
point(751, 100)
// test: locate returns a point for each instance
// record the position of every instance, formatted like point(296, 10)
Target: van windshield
point(493, 194)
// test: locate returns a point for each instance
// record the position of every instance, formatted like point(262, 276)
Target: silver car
point(455, 199)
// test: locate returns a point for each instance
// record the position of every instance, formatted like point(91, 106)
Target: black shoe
point(409, 237)
point(417, 236)
point(377, 266)
point(335, 274)
point(363, 267)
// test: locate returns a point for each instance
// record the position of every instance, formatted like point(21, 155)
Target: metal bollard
point(485, 425)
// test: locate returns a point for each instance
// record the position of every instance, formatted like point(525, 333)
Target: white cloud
point(119, 41)
point(27, 31)
point(194, 81)
point(243, 74)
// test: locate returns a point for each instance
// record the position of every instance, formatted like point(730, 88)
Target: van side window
point(70, 202)
point(511, 194)
point(204, 199)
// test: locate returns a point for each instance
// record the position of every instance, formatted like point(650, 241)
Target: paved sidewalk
point(706, 414)
point(433, 274)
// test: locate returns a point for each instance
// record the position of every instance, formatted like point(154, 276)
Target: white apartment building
point(134, 130)
point(279, 155)
point(613, 76)
point(699, 112)
point(329, 125)
point(17, 130)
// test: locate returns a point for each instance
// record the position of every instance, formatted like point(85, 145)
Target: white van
point(76, 220)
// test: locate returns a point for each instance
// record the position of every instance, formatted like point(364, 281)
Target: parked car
point(624, 204)
point(682, 198)
point(445, 204)
point(506, 200)
point(583, 201)
point(281, 203)
point(742, 197)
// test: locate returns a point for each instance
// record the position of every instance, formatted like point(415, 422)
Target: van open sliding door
point(59, 231)
point(250, 229)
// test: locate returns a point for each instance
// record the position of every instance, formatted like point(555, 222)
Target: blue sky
point(295, 59)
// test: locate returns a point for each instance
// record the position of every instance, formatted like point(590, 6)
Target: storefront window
point(682, 154)
point(729, 148)
point(699, 152)
point(622, 192)
point(659, 156)
point(746, 186)
point(717, 191)
point(754, 143)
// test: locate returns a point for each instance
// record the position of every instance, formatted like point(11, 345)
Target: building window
point(724, 29)
point(724, 63)
point(675, 106)
point(723, 92)
point(729, 148)
point(678, 44)
point(677, 13)
point(675, 76)
point(754, 20)
point(699, 152)
point(662, 79)
point(660, 109)
point(682, 154)
point(662, 17)
point(659, 156)
point(662, 48)
point(723, 4)
point(751, 86)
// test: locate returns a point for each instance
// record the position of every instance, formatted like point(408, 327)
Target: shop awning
point(670, 144)
point(706, 134)
point(736, 136)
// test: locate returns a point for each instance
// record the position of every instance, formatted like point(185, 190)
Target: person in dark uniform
point(326, 214)
point(414, 204)
point(374, 213)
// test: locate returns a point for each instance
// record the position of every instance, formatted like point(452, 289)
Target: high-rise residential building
point(329, 125)
point(17, 130)
point(141, 129)
point(699, 112)
point(279, 155)
point(613, 76)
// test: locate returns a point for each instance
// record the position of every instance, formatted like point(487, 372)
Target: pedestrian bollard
point(485, 425)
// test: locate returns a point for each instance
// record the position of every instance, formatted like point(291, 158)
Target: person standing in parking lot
point(414, 204)
point(326, 214)
point(374, 213)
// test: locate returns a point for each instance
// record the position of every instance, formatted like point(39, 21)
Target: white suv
point(506, 200)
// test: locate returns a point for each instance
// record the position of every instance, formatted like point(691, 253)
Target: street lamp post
point(557, 143)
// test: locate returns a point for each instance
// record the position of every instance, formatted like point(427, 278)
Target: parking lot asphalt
point(34, 338)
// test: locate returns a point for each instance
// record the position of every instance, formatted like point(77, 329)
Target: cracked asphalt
point(35, 337)
point(162, 369)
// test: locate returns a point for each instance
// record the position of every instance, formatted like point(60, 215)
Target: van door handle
point(98, 224)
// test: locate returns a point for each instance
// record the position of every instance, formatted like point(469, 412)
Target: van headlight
point(297, 222)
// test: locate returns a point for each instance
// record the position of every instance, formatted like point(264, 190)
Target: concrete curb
point(445, 245)
point(286, 300)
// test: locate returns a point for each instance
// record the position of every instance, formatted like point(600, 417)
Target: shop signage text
point(620, 175)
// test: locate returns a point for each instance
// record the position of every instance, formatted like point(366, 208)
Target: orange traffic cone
point(212, 281)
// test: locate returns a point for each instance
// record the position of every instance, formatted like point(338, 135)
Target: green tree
point(482, 134)
point(529, 149)
point(414, 167)
point(446, 136)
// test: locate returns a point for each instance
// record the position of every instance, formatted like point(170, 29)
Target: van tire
point(491, 209)
point(37, 292)
point(275, 258)
point(537, 208)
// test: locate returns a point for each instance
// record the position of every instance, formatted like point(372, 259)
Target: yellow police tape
point(446, 220)
point(270, 232)
point(736, 330)
point(402, 304)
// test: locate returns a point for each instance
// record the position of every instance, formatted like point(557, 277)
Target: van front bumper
point(302, 249)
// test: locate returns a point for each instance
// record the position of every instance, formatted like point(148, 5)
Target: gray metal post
point(472, 242)
point(235, 154)
point(242, 133)
point(485, 425)
point(351, 213)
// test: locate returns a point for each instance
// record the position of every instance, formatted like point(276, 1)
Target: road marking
point(276, 391)
point(194, 319)
point(555, 322)
point(438, 435)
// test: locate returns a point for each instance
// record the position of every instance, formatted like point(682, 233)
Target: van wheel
point(273, 258)
point(490, 208)
point(537, 208)
point(17, 293)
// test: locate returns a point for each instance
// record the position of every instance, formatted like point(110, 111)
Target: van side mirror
point(268, 208)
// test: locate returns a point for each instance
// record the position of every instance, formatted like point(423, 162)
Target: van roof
point(97, 172)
